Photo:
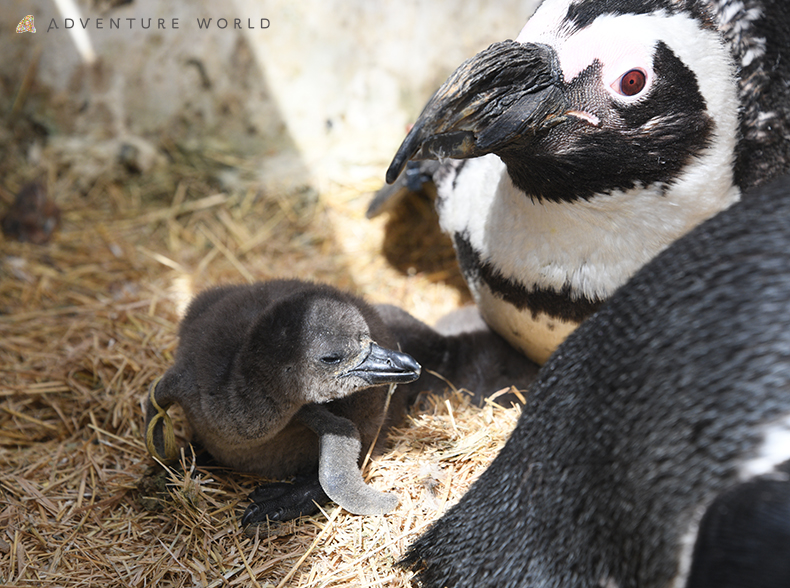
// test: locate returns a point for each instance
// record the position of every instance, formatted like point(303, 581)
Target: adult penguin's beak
point(505, 92)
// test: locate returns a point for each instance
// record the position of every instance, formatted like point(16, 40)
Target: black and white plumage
point(284, 379)
point(654, 449)
point(608, 130)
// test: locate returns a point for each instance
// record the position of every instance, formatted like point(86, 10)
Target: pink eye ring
point(630, 83)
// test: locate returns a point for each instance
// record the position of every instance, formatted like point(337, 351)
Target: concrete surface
point(323, 92)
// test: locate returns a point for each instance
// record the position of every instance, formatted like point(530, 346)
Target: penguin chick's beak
point(504, 92)
point(385, 366)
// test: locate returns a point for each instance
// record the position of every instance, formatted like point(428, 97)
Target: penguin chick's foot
point(338, 458)
point(283, 501)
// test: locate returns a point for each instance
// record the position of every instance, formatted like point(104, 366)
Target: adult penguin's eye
point(630, 83)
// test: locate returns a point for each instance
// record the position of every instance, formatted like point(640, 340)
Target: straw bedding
point(89, 319)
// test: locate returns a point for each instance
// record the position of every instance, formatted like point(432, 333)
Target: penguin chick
point(284, 379)
point(654, 449)
point(603, 133)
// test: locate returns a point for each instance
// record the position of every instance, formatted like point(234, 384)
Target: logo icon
point(26, 25)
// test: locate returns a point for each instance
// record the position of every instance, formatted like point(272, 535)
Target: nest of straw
point(88, 320)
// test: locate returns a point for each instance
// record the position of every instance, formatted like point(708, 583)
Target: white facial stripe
point(545, 25)
point(624, 42)
point(619, 43)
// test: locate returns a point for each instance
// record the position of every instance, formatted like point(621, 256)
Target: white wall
point(325, 92)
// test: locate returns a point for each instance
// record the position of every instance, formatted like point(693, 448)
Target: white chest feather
point(592, 247)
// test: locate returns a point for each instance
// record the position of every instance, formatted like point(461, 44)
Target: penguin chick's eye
point(630, 83)
point(332, 358)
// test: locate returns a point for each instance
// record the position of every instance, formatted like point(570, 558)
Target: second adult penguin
point(654, 448)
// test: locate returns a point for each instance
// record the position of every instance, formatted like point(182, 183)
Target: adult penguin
point(605, 132)
point(654, 449)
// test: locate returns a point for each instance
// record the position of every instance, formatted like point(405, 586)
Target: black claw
point(250, 515)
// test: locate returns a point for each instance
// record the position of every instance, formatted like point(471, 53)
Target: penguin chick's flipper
point(283, 501)
point(744, 536)
point(338, 458)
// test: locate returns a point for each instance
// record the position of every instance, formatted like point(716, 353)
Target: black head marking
point(641, 143)
point(583, 13)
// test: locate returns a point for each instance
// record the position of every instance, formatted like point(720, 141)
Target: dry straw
point(88, 321)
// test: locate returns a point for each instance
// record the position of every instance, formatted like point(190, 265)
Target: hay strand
point(89, 321)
